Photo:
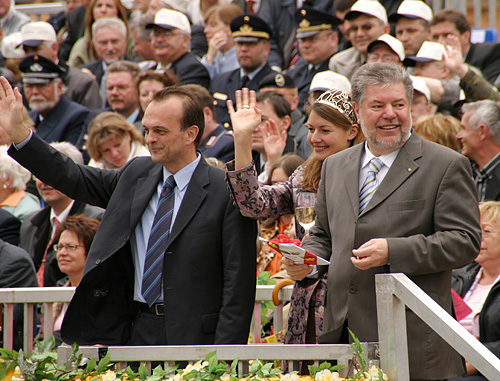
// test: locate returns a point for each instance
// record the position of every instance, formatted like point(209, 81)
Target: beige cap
point(37, 32)
point(368, 7)
point(327, 80)
point(392, 42)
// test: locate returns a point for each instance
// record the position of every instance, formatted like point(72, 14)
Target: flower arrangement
point(41, 365)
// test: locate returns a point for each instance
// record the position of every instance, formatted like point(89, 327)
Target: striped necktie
point(370, 186)
point(160, 231)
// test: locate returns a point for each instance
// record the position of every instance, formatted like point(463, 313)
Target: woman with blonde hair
point(439, 128)
point(112, 141)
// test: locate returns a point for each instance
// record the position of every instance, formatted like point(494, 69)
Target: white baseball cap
point(171, 19)
point(413, 9)
point(37, 32)
point(393, 43)
point(420, 86)
point(429, 51)
point(368, 7)
point(11, 46)
point(327, 80)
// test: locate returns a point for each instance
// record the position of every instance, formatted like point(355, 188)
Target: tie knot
point(376, 165)
point(169, 183)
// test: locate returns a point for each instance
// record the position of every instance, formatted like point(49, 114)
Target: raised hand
point(215, 44)
point(11, 115)
point(454, 58)
point(274, 140)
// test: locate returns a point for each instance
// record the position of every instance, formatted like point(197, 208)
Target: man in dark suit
point(56, 118)
point(251, 35)
point(396, 204)
point(39, 229)
point(480, 139)
point(486, 56)
point(317, 41)
point(9, 227)
point(204, 286)
point(171, 40)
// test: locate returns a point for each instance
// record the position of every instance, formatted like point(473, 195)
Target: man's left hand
point(373, 253)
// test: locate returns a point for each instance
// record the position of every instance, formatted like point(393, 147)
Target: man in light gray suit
point(419, 216)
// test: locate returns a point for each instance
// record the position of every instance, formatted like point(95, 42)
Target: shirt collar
point(253, 73)
point(183, 176)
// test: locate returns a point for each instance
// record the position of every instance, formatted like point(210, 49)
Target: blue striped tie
point(370, 186)
point(160, 231)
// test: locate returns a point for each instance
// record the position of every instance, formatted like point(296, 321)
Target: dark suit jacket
point(224, 85)
point(303, 77)
point(35, 236)
point(486, 57)
point(16, 270)
point(76, 26)
point(426, 208)
point(493, 186)
point(65, 122)
point(189, 70)
point(209, 265)
point(81, 88)
point(9, 227)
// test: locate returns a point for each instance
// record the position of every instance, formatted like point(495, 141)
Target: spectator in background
point(478, 285)
point(82, 51)
point(9, 227)
point(412, 24)
point(221, 54)
point(56, 118)
point(386, 49)
point(318, 40)
point(367, 21)
point(421, 104)
point(150, 82)
point(251, 35)
point(341, 7)
point(59, 20)
point(39, 229)
point(75, 237)
point(40, 38)
point(324, 81)
point(439, 128)
point(13, 179)
point(480, 140)
point(170, 39)
point(12, 53)
point(11, 20)
point(216, 140)
point(112, 141)
point(142, 41)
point(284, 85)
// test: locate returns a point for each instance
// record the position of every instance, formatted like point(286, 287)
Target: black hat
point(38, 69)
point(250, 28)
point(277, 80)
point(310, 22)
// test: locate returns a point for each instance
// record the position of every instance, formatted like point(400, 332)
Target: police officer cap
point(249, 28)
point(311, 21)
point(38, 69)
point(277, 80)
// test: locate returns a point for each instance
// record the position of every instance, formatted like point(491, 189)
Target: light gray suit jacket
point(426, 207)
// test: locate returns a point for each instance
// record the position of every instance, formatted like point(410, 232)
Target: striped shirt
point(481, 177)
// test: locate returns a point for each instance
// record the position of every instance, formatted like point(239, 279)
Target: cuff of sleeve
point(24, 142)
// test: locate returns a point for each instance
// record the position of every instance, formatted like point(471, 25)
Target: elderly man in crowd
point(428, 229)
point(386, 49)
point(171, 39)
point(56, 118)
point(367, 21)
point(40, 38)
point(480, 139)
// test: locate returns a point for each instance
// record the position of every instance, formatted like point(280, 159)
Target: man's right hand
point(296, 272)
point(11, 112)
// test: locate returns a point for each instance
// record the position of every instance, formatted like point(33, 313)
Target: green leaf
point(143, 372)
point(234, 368)
point(191, 374)
point(103, 364)
point(90, 365)
point(212, 360)
point(255, 367)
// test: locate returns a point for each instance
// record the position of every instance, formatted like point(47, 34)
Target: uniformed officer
point(251, 35)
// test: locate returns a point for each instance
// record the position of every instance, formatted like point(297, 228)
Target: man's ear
point(356, 110)
point(191, 134)
point(286, 122)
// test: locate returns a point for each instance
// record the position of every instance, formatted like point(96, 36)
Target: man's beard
point(42, 106)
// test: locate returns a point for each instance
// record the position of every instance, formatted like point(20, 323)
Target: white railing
point(46, 296)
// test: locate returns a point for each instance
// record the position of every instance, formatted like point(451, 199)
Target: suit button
point(98, 261)
point(352, 289)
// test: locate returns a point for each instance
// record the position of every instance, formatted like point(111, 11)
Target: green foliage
point(360, 356)
point(313, 369)
point(261, 370)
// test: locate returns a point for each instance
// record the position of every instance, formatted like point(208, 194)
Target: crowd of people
point(114, 119)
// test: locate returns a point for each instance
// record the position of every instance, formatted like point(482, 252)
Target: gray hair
point(69, 150)
point(487, 112)
point(139, 23)
point(382, 74)
point(11, 169)
point(109, 22)
point(131, 67)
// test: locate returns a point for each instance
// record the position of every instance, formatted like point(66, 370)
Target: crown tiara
point(340, 101)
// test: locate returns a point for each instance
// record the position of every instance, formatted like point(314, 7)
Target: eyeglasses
point(167, 33)
point(69, 248)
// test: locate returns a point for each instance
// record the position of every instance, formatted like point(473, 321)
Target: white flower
point(372, 374)
point(108, 376)
point(290, 377)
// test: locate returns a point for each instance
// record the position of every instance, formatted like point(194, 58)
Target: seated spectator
point(216, 140)
point(13, 178)
point(56, 118)
point(485, 57)
point(83, 52)
point(76, 236)
point(171, 39)
point(221, 54)
point(142, 41)
point(112, 141)
point(386, 49)
point(441, 129)
point(150, 82)
point(269, 259)
point(478, 285)
point(367, 21)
